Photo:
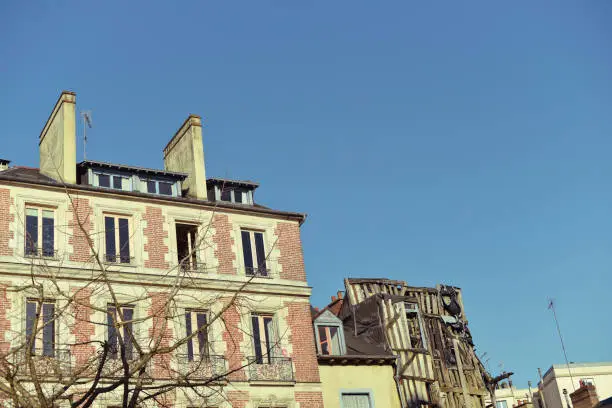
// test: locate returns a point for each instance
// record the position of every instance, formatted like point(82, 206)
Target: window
point(254, 253)
point(103, 180)
point(329, 335)
point(117, 239)
point(186, 246)
point(197, 346)
point(120, 321)
point(415, 326)
point(159, 187)
point(40, 327)
point(39, 232)
point(356, 400)
point(226, 194)
point(329, 340)
point(587, 381)
point(110, 181)
point(264, 338)
point(501, 404)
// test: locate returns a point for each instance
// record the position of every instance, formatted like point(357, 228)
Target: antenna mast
point(551, 305)
point(86, 123)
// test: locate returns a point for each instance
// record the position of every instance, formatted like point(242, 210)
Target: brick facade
point(233, 336)
point(6, 218)
point(223, 244)
point(5, 323)
point(83, 328)
point(155, 235)
point(309, 399)
point(82, 213)
point(291, 256)
point(238, 399)
point(160, 332)
point(302, 340)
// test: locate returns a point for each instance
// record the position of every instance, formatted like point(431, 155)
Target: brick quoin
point(6, 218)
point(238, 399)
point(291, 256)
point(302, 339)
point(81, 211)
point(160, 332)
point(309, 399)
point(233, 336)
point(83, 328)
point(154, 231)
point(223, 244)
point(5, 323)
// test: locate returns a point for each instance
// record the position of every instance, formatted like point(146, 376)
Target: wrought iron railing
point(119, 259)
point(260, 272)
point(47, 362)
point(268, 368)
point(201, 367)
point(187, 266)
point(113, 365)
point(42, 253)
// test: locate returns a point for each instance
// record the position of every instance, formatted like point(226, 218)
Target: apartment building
point(130, 286)
point(560, 381)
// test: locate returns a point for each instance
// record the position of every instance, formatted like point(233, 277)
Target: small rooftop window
point(231, 191)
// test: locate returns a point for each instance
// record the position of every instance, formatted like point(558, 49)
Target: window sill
point(268, 383)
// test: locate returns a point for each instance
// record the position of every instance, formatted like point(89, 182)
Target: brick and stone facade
point(98, 296)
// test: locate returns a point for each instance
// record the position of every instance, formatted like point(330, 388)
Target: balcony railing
point(55, 362)
point(201, 367)
point(187, 266)
point(258, 272)
point(270, 369)
point(113, 365)
point(118, 259)
point(40, 253)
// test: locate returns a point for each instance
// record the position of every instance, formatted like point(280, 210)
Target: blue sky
point(459, 142)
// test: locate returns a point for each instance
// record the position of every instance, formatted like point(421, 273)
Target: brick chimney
point(57, 145)
point(584, 397)
point(185, 153)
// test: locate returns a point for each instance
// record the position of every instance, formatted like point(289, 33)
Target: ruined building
point(426, 329)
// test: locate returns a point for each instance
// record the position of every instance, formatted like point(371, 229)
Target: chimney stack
point(185, 153)
point(585, 397)
point(57, 145)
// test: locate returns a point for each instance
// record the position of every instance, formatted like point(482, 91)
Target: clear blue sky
point(447, 141)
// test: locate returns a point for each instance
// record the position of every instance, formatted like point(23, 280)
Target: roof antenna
point(86, 123)
point(551, 305)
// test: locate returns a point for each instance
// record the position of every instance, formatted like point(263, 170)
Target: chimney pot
point(333, 298)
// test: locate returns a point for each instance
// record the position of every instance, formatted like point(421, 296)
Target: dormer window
point(231, 191)
point(114, 181)
point(160, 187)
point(329, 334)
point(130, 178)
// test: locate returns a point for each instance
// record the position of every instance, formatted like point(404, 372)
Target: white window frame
point(125, 180)
point(274, 342)
point(255, 264)
point(328, 319)
point(39, 225)
point(116, 217)
point(173, 187)
point(39, 339)
point(357, 391)
point(194, 339)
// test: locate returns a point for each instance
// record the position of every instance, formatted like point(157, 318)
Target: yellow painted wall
point(376, 379)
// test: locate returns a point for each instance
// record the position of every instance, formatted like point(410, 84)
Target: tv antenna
point(551, 305)
point(86, 124)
